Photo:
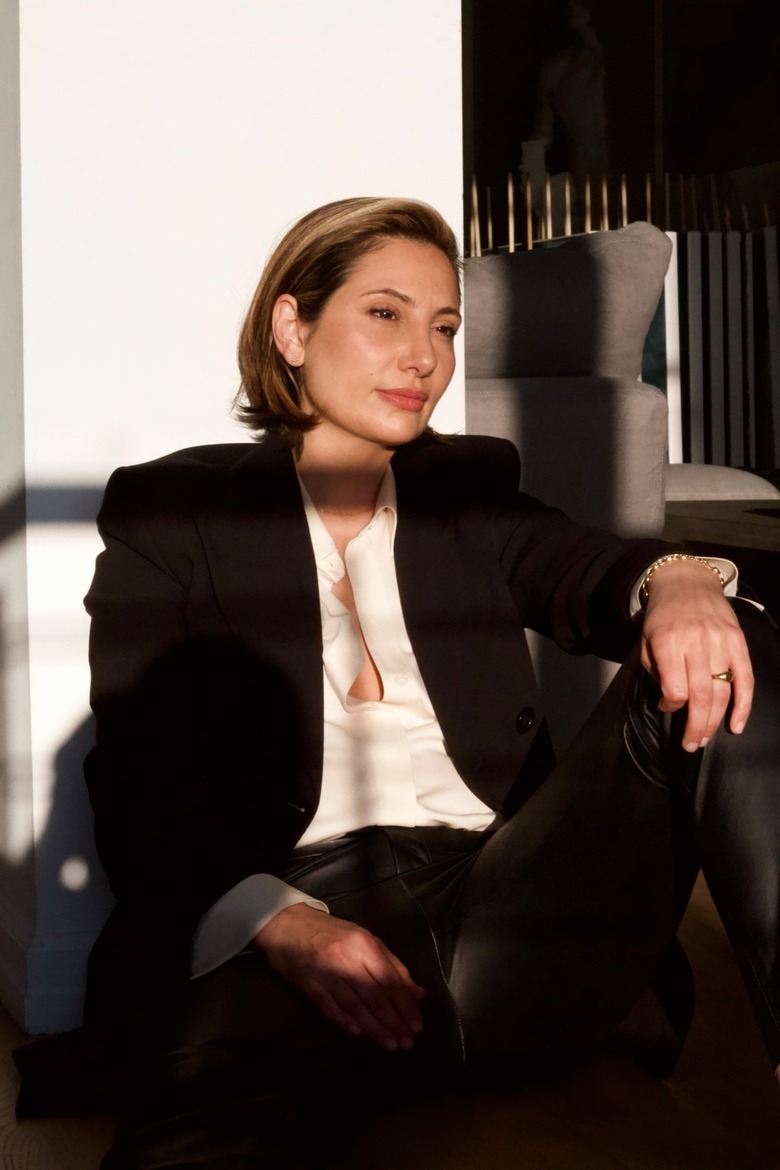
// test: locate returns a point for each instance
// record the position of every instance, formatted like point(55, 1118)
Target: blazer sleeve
point(179, 819)
point(573, 583)
point(570, 582)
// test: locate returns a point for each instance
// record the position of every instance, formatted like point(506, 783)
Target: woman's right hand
point(346, 972)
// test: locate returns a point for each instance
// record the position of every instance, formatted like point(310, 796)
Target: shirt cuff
point(727, 569)
point(232, 922)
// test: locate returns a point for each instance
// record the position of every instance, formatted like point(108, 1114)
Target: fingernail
point(406, 1043)
point(390, 1045)
point(690, 747)
point(738, 728)
point(705, 741)
point(417, 1026)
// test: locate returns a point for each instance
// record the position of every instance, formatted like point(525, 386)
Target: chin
point(402, 435)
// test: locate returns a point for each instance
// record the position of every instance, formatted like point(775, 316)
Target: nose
point(418, 353)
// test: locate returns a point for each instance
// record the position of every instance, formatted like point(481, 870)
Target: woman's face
point(381, 353)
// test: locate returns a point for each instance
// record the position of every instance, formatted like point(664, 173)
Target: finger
point(405, 992)
point(342, 1015)
point(365, 1003)
point(685, 675)
point(742, 687)
point(647, 658)
point(707, 704)
point(392, 1001)
point(366, 1014)
point(374, 990)
point(333, 995)
point(670, 670)
point(731, 654)
point(349, 975)
point(416, 990)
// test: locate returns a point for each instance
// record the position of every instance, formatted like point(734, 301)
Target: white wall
point(164, 145)
point(17, 885)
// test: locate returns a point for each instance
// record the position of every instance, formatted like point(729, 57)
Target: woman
point(313, 694)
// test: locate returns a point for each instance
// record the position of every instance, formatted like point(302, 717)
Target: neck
point(346, 482)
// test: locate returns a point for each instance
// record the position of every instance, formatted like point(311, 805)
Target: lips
point(405, 398)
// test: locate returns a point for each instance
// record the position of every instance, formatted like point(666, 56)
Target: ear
point(289, 333)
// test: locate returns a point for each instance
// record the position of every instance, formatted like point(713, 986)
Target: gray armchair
point(554, 343)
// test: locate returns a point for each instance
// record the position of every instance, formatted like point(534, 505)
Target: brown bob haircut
point(313, 259)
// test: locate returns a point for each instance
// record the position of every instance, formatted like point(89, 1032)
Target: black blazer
point(206, 658)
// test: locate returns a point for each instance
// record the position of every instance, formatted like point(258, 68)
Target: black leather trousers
point(533, 942)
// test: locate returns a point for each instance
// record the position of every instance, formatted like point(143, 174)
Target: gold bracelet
point(644, 588)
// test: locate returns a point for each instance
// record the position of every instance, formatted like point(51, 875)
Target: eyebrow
point(406, 299)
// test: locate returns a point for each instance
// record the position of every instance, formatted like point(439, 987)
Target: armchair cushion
point(594, 447)
point(702, 481)
point(581, 307)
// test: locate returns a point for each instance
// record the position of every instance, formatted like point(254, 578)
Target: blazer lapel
point(440, 597)
point(461, 619)
point(264, 577)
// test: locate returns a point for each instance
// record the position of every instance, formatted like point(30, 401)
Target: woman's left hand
point(690, 634)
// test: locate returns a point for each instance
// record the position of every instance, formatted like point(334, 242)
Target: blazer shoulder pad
point(485, 465)
point(193, 458)
point(168, 485)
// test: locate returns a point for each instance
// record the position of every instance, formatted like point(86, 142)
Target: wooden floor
point(61, 1144)
point(720, 1110)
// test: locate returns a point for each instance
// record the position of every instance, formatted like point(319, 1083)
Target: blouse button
point(401, 680)
point(525, 720)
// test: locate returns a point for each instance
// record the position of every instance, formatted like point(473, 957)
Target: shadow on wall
point(62, 874)
point(70, 875)
point(49, 504)
point(54, 896)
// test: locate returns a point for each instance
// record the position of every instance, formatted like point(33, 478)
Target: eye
point(383, 313)
point(447, 330)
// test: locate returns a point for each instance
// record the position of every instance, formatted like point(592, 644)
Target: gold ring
point(724, 676)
